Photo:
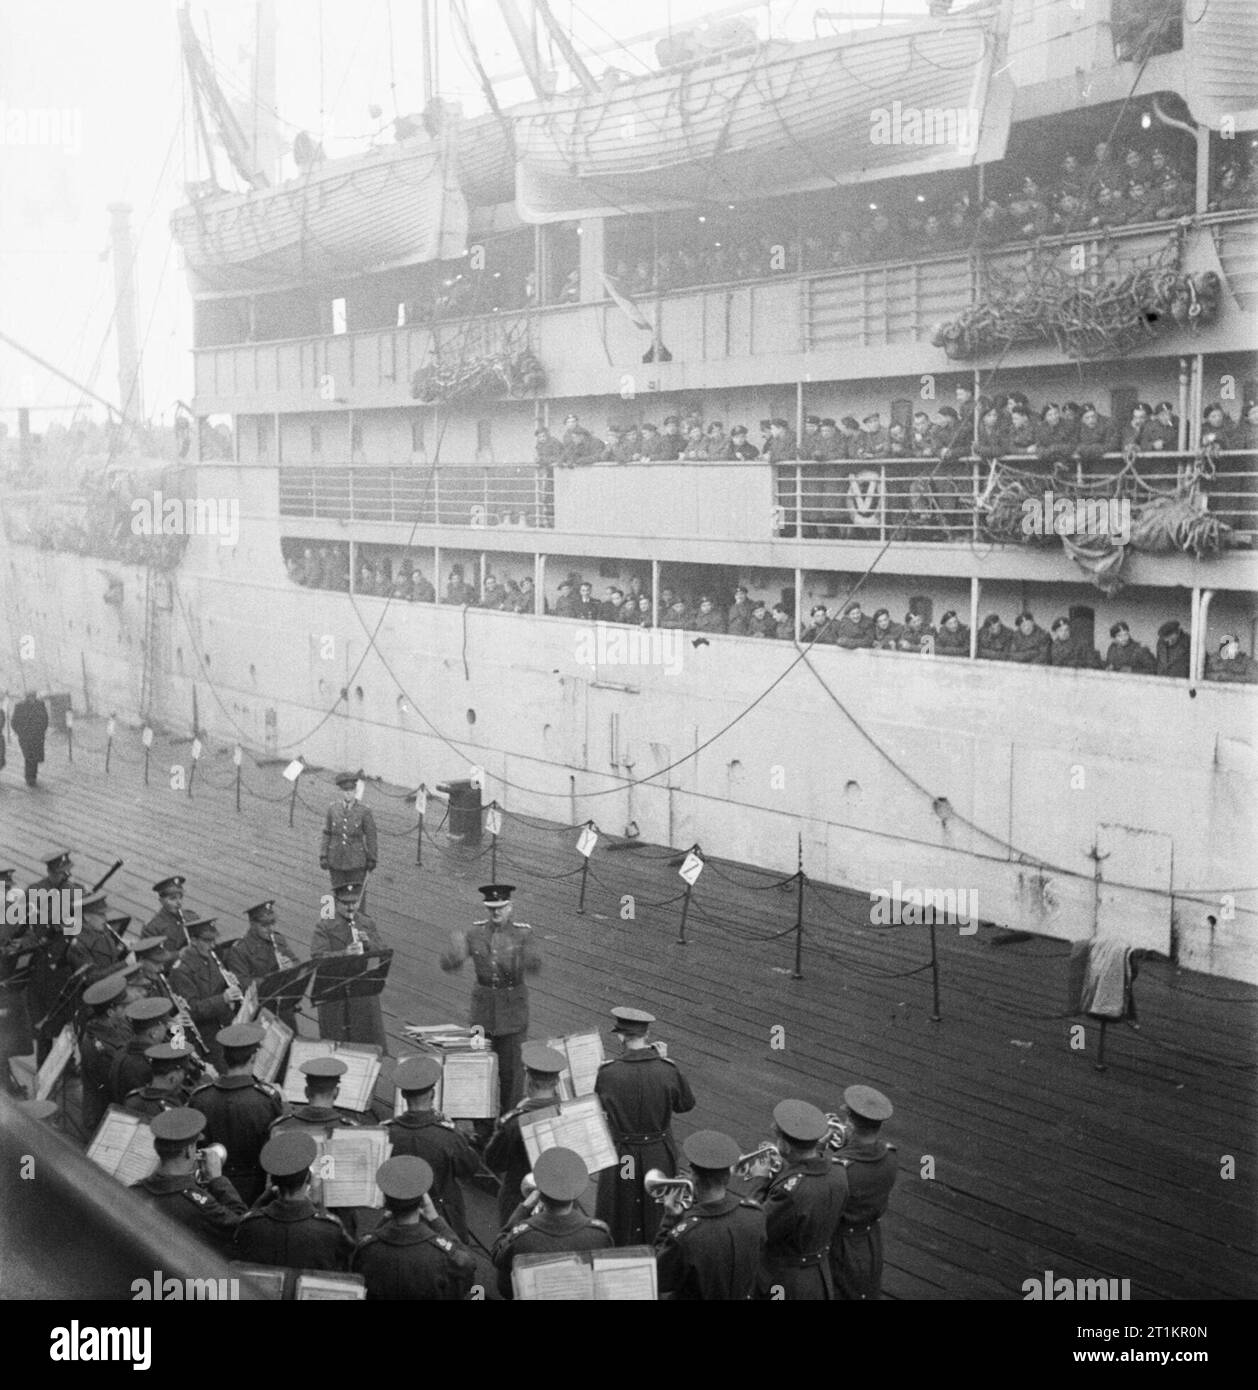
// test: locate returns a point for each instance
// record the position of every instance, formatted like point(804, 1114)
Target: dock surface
point(1017, 1156)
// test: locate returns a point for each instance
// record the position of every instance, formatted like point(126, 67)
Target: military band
point(236, 1162)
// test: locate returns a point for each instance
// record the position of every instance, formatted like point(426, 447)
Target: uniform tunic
point(348, 848)
point(437, 1141)
point(421, 1261)
point(100, 1042)
point(255, 956)
point(856, 1256)
point(294, 1233)
point(544, 1233)
point(802, 1207)
point(211, 1211)
point(349, 1019)
point(239, 1112)
point(201, 983)
point(129, 1069)
point(641, 1092)
point(169, 925)
point(501, 957)
point(712, 1252)
point(506, 1155)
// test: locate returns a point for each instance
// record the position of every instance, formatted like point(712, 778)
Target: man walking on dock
point(30, 724)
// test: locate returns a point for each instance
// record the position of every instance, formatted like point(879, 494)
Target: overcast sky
point(92, 99)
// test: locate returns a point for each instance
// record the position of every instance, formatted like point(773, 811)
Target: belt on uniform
point(860, 1228)
point(643, 1138)
point(798, 1261)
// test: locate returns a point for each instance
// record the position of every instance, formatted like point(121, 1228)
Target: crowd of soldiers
point(1083, 192)
point(156, 1013)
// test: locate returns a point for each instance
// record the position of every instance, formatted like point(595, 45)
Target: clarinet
point(184, 1027)
point(179, 922)
point(283, 961)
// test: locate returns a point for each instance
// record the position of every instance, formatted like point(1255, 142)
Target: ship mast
point(207, 96)
point(130, 391)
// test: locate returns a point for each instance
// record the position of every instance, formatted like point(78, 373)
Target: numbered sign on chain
point(196, 750)
point(421, 801)
point(294, 770)
point(238, 755)
point(587, 840)
point(691, 868)
point(493, 821)
point(69, 719)
point(111, 727)
point(146, 737)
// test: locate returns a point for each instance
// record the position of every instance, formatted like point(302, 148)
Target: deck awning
point(894, 100)
point(399, 206)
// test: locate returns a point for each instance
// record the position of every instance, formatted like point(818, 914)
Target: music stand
point(284, 989)
point(338, 979)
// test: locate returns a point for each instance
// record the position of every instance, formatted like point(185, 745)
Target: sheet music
point(552, 1278)
point(55, 1063)
point(358, 1085)
point(440, 1035)
point(312, 1288)
point(270, 1056)
point(585, 1056)
point(470, 1085)
point(123, 1146)
point(564, 1087)
point(579, 1125)
point(399, 1105)
point(626, 1274)
point(356, 1156)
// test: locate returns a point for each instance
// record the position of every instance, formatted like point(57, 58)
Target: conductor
point(502, 953)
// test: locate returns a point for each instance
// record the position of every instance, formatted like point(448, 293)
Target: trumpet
point(660, 1188)
point(767, 1155)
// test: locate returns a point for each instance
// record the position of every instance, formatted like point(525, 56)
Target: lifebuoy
point(864, 491)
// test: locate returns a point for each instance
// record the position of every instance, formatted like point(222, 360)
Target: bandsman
point(239, 1109)
point(130, 1069)
point(502, 953)
point(802, 1205)
point(423, 1132)
point(169, 921)
point(349, 933)
point(319, 1115)
point(105, 1032)
point(711, 1251)
point(154, 957)
point(870, 1164)
point(285, 1227)
point(196, 976)
point(166, 1088)
point(641, 1091)
point(505, 1153)
point(261, 952)
point(549, 1221)
point(412, 1254)
point(190, 1187)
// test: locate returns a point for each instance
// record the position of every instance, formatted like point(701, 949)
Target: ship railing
point(473, 495)
point(925, 500)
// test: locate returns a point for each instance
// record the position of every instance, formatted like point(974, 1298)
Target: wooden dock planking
point(1041, 1162)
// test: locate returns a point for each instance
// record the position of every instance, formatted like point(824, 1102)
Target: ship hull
point(946, 775)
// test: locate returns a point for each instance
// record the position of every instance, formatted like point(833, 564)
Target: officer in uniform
point(130, 1068)
point(285, 1227)
point(423, 1133)
point(205, 1202)
point(351, 932)
point(505, 1153)
point(641, 1092)
point(195, 975)
point(502, 952)
point(239, 1109)
point(168, 922)
point(166, 1088)
point(711, 1251)
point(261, 952)
point(348, 848)
point(105, 1032)
point(413, 1254)
point(548, 1221)
point(802, 1206)
point(870, 1165)
point(319, 1115)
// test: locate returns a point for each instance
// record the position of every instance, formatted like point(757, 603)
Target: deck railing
point(896, 500)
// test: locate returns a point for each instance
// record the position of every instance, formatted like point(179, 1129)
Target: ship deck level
point(1040, 1161)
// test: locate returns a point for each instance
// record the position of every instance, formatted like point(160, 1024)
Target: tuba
point(840, 1132)
point(660, 1187)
